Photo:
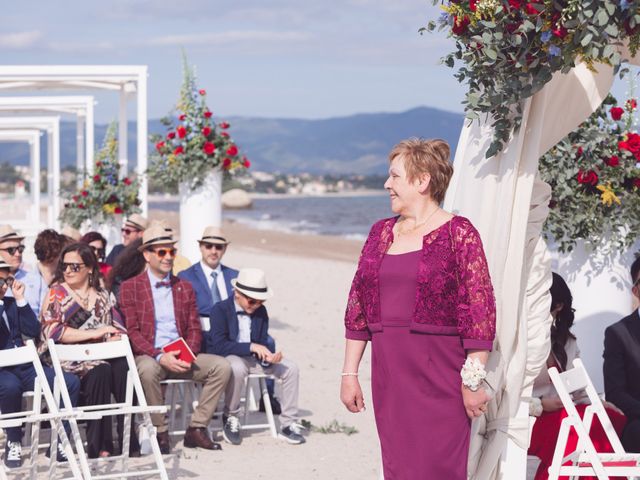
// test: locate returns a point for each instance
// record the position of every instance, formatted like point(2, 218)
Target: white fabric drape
point(507, 202)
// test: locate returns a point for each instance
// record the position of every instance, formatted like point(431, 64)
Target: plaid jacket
point(136, 304)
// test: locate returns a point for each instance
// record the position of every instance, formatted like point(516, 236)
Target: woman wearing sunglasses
point(99, 246)
point(79, 310)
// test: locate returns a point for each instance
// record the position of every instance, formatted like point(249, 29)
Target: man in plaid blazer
point(160, 308)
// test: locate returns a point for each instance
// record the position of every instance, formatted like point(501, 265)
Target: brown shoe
point(197, 437)
point(164, 443)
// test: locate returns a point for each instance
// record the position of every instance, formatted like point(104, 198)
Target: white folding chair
point(106, 351)
point(29, 355)
point(585, 460)
point(181, 400)
point(249, 404)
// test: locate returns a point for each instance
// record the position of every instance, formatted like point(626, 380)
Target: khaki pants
point(210, 370)
point(287, 371)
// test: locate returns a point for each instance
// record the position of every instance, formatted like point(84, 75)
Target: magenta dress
point(422, 424)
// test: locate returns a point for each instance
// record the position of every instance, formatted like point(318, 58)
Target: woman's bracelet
point(349, 374)
point(473, 373)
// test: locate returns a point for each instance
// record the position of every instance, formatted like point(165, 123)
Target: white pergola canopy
point(126, 79)
point(80, 105)
point(52, 126)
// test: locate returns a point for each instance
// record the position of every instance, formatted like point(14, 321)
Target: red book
point(186, 355)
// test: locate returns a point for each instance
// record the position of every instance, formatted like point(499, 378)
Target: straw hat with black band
point(252, 283)
point(8, 233)
point(214, 236)
point(156, 234)
point(4, 265)
point(137, 222)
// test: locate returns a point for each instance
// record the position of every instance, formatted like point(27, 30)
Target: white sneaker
point(13, 455)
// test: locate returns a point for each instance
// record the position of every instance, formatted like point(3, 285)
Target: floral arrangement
point(196, 144)
point(103, 195)
point(509, 49)
point(594, 174)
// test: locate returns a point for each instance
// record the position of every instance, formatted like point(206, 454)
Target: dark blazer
point(195, 275)
point(136, 305)
point(113, 254)
point(622, 365)
point(22, 321)
point(221, 339)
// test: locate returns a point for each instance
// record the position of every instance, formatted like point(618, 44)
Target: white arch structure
point(127, 80)
point(82, 106)
point(32, 136)
point(51, 125)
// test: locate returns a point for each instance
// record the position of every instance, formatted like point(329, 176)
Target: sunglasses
point(6, 281)
point(163, 252)
point(252, 301)
point(98, 251)
point(12, 250)
point(209, 246)
point(74, 267)
point(128, 231)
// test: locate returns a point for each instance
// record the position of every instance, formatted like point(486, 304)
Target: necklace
point(83, 300)
point(417, 225)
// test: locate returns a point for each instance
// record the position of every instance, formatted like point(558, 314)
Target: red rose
point(181, 131)
point(636, 182)
point(515, 4)
point(224, 134)
point(531, 9)
point(224, 125)
point(590, 177)
point(559, 32)
point(246, 163)
point(202, 92)
point(612, 161)
point(127, 181)
point(171, 135)
point(74, 198)
point(80, 206)
point(473, 5)
point(209, 148)
point(182, 117)
point(159, 146)
point(226, 163)
point(460, 25)
point(579, 151)
point(118, 210)
point(632, 144)
point(631, 104)
point(206, 131)
point(207, 114)
point(98, 164)
point(232, 150)
point(178, 150)
point(84, 193)
point(616, 113)
point(512, 27)
point(96, 178)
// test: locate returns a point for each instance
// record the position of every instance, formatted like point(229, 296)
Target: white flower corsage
point(473, 373)
point(535, 407)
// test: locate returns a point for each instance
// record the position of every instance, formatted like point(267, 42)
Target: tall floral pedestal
point(601, 289)
point(199, 208)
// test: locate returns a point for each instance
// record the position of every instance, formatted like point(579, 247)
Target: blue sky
point(268, 58)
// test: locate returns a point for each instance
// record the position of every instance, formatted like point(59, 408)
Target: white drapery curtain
point(508, 203)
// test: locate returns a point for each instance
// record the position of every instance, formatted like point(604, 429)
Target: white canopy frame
point(82, 106)
point(128, 80)
point(32, 137)
point(52, 126)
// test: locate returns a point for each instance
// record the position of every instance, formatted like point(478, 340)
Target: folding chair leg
point(172, 401)
point(35, 431)
point(266, 399)
point(558, 455)
point(155, 448)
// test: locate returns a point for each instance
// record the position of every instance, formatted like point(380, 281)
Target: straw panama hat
point(137, 221)
point(7, 232)
point(252, 283)
point(71, 232)
point(213, 235)
point(4, 265)
point(157, 234)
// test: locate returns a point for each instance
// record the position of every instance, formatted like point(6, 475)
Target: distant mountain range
point(342, 145)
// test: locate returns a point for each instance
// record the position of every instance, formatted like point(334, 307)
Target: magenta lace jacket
point(454, 295)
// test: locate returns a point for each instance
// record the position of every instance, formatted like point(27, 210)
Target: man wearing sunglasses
point(160, 308)
point(239, 332)
point(11, 249)
point(132, 229)
point(622, 366)
point(17, 320)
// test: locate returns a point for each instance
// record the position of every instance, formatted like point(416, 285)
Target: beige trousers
point(210, 370)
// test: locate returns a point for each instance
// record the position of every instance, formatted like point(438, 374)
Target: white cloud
point(19, 40)
point(225, 38)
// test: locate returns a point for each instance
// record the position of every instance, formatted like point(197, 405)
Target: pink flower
point(202, 92)
point(226, 163)
point(84, 193)
point(182, 117)
point(96, 178)
point(224, 134)
point(127, 181)
point(117, 210)
point(224, 125)
point(246, 163)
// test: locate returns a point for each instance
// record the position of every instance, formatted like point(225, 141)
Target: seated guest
point(211, 281)
point(47, 247)
point(159, 308)
point(133, 228)
point(17, 320)
point(99, 246)
point(622, 366)
point(546, 404)
point(79, 310)
point(11, 248)
point(129, 263)
point(239, 331)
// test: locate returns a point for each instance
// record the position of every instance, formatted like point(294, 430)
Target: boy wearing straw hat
point(132, 229)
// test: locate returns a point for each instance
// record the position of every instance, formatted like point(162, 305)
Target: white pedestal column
point(199, 208)
point(109, 230)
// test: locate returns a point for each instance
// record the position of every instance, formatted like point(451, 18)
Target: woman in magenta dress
point(423, 297)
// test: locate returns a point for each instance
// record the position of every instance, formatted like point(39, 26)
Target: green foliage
point(595, 178)
point(509, 49)
point(194, 145)
point(105, 194)
point(332, 427)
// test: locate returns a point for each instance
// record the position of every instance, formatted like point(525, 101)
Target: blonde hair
point(430, 157)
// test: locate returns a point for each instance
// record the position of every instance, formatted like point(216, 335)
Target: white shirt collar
point(153, 278)
point(207, 269)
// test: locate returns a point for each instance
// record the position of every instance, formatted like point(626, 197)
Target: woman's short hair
point(426, 157)
point(48, 245)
